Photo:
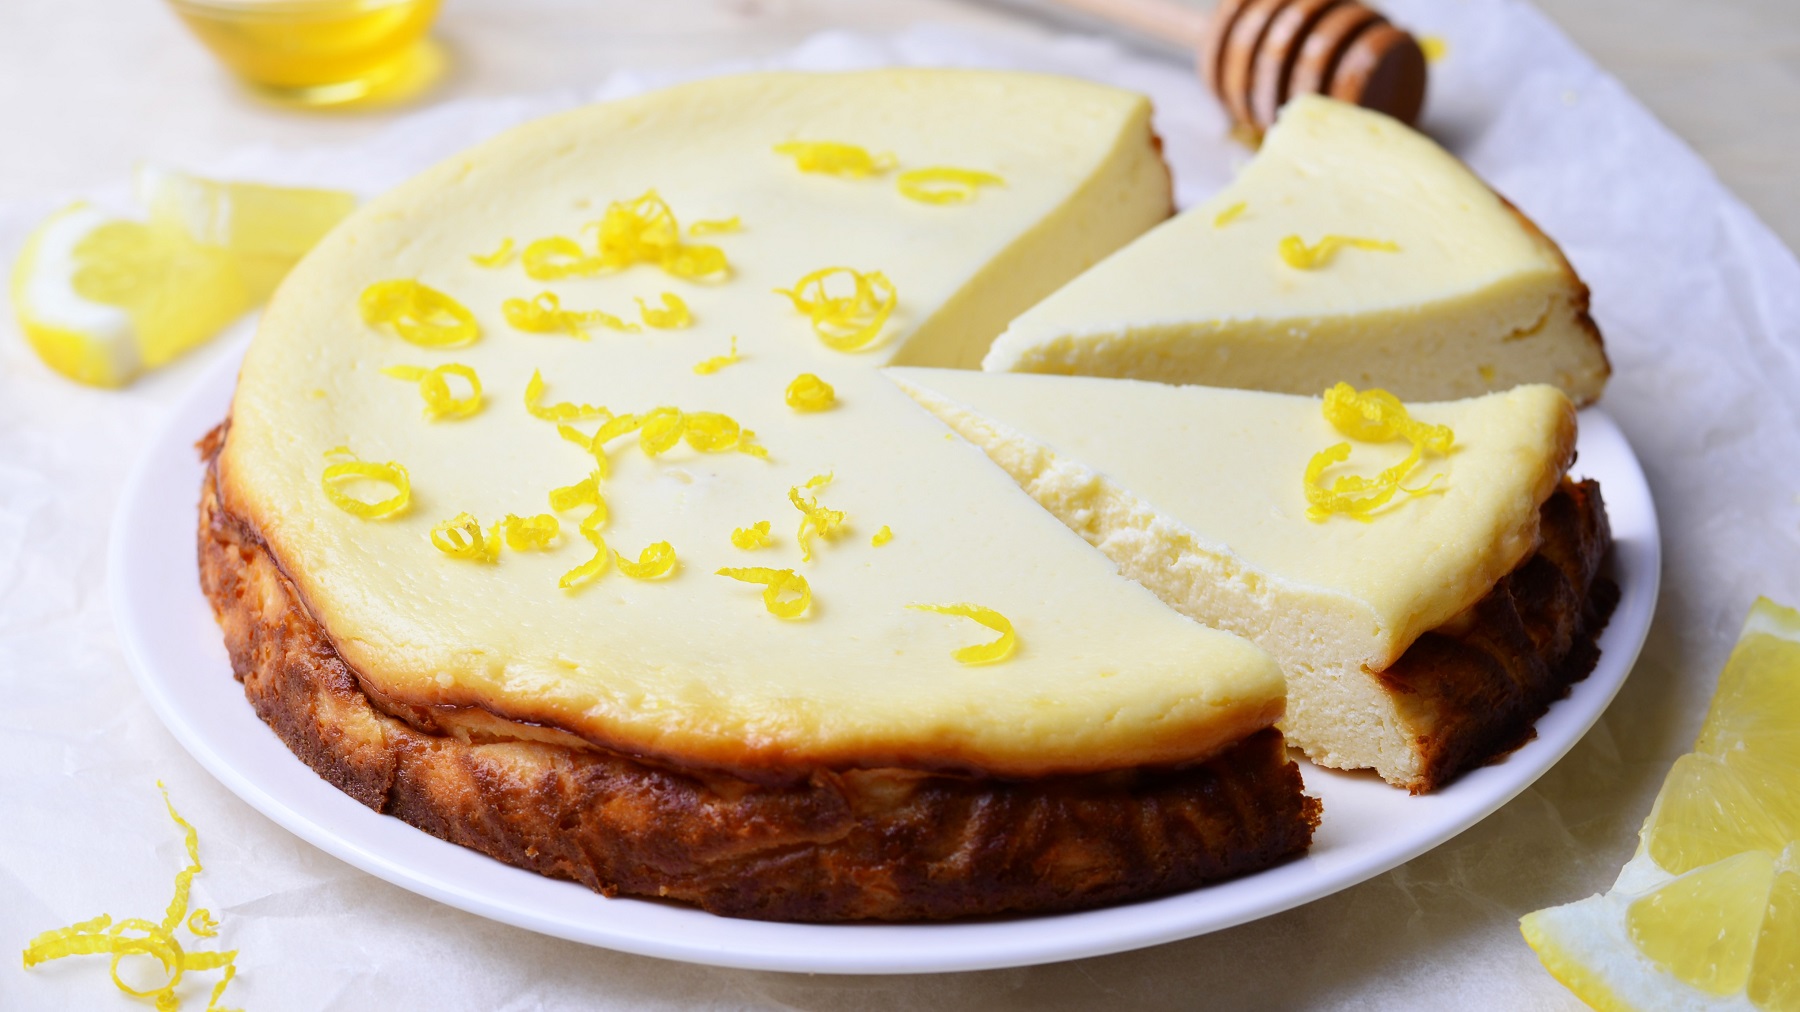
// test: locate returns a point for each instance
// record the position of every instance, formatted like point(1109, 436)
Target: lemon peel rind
point(944, 184)
point(981, 653)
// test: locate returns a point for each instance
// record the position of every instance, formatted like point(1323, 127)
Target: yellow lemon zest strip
point(565, 411)
point(810, 393)
point(421, 315)
point(1229, 215)
point(717, 362)
point(747, 444)
point(498, 258)
point(752, 537)
point(461, 537)
point(543, 314)
point(439, 402)
point(981, 653)
point(1302, 257)
point(524, 533)
point(672, 316)
point(835, 159)
point(1372, 416)
point(844, 322)
point(882, 536)
point(660, 430)
point(590, 529)
point(391, 473)
point(776, 582)
point(711, 432)
point(1435, 47)
point(652, 562)
point(644, 230)
point(585, 492)
point(557, 257)
point(944, 185)
point(814, 519)
point(712, 226)
point(101, 935)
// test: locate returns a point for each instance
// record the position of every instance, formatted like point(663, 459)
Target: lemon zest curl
point(103, 936)
point(499, 258)
point(564, 411)
point(435, 388)
point(752, 537)
point(882, 536)
point(1230, 214)
point(654, 561)
point(717, 362)
point(643, 230)
point(419, 314)
point(980, 653)
point(1302, 257)
point(461, 537)
point(814, 519)
point(1374, 416)
point(344, 470)
point(844, 322)
point(543, 314)
point(834, 158)
point(944, 185)
point(714, 226)
point(810, 393)
point(776, 582)
point(672, 316)
point(594, 567)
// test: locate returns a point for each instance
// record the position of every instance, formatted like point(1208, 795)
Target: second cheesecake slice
point(1418, 643)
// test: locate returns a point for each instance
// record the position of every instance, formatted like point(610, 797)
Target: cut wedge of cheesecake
point(687, 665)
point(1197, 493)
point(1352, 248)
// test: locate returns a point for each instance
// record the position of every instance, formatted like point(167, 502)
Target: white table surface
point(88, 87)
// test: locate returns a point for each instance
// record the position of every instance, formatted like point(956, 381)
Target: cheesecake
point(1352, 248)
point(563, 510)
point(1200, 494)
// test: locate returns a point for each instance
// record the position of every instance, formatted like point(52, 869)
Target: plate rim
point(372, 845)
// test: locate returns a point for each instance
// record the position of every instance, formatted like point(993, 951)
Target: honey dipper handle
point(1162, 19)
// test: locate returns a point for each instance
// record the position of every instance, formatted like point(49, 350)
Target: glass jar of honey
point(320, 52)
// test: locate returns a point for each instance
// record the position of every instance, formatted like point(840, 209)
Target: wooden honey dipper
point(1256, 54)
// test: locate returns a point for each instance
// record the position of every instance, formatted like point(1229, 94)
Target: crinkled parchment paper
point(1700, 305)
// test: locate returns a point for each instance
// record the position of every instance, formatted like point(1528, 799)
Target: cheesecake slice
point(1352, 248)
point(1197, 493)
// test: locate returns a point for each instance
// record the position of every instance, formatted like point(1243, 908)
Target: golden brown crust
point(1476, 687)
point(888, 844)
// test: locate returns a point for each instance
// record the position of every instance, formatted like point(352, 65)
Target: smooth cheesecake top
point(690, 666)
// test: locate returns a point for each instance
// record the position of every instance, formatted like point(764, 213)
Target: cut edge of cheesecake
point(1343, 711)
point(1526, 322)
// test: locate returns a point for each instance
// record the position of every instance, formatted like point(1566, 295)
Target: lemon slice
point(102, 298)
point(1707, 914)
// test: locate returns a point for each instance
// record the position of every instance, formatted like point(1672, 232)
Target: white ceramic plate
point(175, 648)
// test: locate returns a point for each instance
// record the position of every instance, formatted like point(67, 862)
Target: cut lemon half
point(1707, 914)
point(102, 298)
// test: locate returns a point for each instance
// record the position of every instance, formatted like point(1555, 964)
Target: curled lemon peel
point(844, 322)
point(715, 226)
point(643, 230)
point(980, 653)
point(594, 567)
point(810, 393)
point(419, 314)
point(752, 537)
point(585, 492)
point(543, 314)
point(461, 537)
point(654, 561)
point(555, 257)
point(711, 432)
point(1302, 257)
point(814, 519)
point(564, 411)
point(499, 258)
point(349, 470)
point(834, 158)
point(661, 430)
point(882, 536)
point(526, 533)
point(1374, 416)
point(776, 582)
point(717, 362)
point(672, 316)
point(434, 386)
point(104, 936)
point(1230, 214)
point(747, 444)
point(943, 184)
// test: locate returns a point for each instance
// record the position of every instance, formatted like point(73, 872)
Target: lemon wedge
point(1707, 914)
point(101, 298)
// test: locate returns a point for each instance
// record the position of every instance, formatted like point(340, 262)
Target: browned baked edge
point(1475, 688)
point(886, 844)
